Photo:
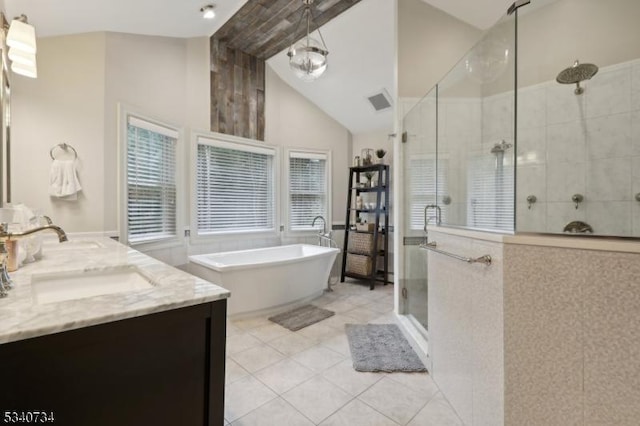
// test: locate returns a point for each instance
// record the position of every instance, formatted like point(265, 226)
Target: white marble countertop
point(22, 317)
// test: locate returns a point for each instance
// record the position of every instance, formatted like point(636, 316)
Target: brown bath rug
point(301, 317)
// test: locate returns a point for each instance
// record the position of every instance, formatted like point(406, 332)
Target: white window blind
point(307, 189)
point(151, 181)
point(491, 186)
point(234, 188)
point(422, 189)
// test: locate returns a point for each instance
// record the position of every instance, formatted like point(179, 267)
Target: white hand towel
point(63, 180)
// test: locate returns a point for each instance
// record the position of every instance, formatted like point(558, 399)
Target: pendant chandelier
point(308, 57)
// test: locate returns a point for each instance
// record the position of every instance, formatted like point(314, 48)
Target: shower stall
point(512, 140)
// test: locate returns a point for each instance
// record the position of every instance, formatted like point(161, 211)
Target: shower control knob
point(638, 197)
point(577, 198)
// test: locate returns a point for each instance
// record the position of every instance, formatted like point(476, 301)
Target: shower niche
point(538, 135)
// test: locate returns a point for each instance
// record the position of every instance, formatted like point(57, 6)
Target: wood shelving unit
point(379, 248)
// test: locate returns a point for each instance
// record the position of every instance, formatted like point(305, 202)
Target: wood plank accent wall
point(237, 92)
point(259, 30)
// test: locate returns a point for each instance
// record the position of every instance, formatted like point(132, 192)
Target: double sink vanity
point(98, 333)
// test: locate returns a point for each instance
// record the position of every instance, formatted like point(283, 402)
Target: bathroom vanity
point(150, 350)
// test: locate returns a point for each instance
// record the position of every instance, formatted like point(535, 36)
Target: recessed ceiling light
point(208, 12)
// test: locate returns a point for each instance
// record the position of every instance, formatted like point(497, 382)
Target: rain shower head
point(500, 147)
point(576, 74)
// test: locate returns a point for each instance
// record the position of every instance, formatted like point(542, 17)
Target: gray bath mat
point(301, 317)
point(381, 347)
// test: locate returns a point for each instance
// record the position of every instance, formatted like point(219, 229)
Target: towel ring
point(65, 147)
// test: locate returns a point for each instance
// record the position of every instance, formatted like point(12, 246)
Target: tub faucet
point(324, 224)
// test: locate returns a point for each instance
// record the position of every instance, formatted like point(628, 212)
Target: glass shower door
point(419, 185)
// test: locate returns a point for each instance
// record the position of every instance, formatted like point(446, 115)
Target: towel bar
point(486, 259)
point(65, 147)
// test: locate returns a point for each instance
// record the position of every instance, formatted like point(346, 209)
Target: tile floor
point(278, 377)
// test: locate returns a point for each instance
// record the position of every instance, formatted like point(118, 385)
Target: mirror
point(5, 122)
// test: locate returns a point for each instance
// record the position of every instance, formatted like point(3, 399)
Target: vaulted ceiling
point(263, 28)
point(360, 40)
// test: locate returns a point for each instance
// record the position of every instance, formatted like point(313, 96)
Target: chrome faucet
point(7, 239)
point(323, 236)
point(324, 223)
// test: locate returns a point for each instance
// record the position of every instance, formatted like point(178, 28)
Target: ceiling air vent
point(380, 101)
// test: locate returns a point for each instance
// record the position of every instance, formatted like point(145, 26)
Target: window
point(234, 187)
point(308, 188)
point(491, 190)
point(422, 189)
point(151, 151)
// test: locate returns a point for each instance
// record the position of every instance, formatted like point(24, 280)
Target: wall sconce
point(21, 40)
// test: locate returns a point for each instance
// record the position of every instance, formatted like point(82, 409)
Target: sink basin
point(58, 287)
point(71, 245)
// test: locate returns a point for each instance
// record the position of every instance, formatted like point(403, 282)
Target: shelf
point(370, 189)
point(382, 210)
point(366, 277)
point(371, 168)
point(366, 232)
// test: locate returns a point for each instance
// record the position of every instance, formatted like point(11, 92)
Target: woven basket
point(365, 227)
point(358, 264)
point(362, 243)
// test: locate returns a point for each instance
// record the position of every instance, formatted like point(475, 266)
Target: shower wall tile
point(497, 117)
point(567, 142)
point(635, 133)
point(532, 180)
point(609, 180)
point(450, 327)
point(635, 86)
point(609, 93)
point(532, 107)
point(610, 217)
point(532, 145)
point(543, 337)
point(584, 134)
point(531, 220)
point(461, 117)
point(465, 318)
point(635, 189)
point(563, 105)
point(612, 347)
point(609, 136)
point(560, 214)
point(564, 180)
point(487, 334)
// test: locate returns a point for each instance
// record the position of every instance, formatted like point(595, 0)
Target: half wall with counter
point(547, 334)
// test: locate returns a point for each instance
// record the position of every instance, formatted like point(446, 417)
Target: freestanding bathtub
point(261, 280)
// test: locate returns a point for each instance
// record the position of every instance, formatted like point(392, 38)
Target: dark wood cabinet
point(165, 368)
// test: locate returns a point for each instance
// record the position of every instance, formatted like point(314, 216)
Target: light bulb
point(208, 12)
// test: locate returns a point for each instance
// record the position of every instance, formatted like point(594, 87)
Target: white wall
point(552, 37)
point(430, 43)
point(81, 80)
point(64, 104)
point(161, 77)
point(74, 100)
point(293, 121)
